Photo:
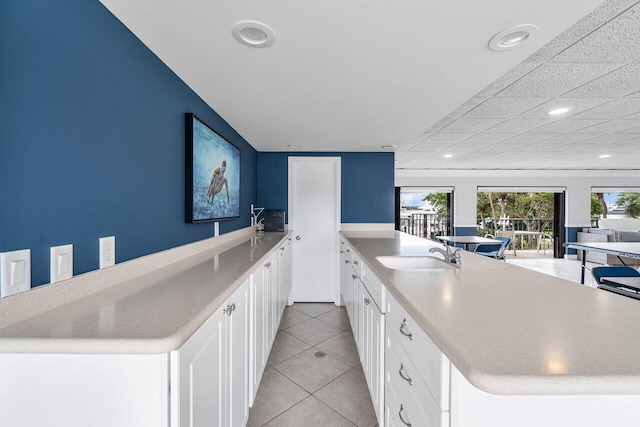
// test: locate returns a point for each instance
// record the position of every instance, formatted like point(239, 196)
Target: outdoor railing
point(424, 225)
point(542, 225)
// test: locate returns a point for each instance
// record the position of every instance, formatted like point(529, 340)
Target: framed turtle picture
point(212, 170)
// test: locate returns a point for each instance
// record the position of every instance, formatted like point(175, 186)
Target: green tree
point(596, 207)
point(439, 203)
point(631, 203)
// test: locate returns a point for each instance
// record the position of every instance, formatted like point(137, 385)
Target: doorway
point(314, 217)
point(424, 211)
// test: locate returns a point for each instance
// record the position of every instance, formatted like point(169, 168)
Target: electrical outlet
point(15, 270)
point(61, 263)
point(107, 251)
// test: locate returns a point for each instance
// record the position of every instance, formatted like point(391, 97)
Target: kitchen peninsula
point(525, 348)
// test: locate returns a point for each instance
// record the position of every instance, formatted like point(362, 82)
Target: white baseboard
point(573, 257)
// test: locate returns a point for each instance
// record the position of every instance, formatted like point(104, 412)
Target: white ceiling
point(352, 76)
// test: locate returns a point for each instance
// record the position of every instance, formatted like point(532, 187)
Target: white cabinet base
point(84, 390)
point(473, 407)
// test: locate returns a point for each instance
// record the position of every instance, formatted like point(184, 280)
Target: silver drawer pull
point(404, 377)
point(268, 264)
point(355, 262)
point(367, 301)
point(354, 277)
point(346, 261)
point(402, 418)
point(404, 325)
point(233, 307)
point(348, 250)
point(227, 310)
point(282, 248)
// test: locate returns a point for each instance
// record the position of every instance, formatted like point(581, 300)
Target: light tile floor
point(300, 389)
point(565, 269)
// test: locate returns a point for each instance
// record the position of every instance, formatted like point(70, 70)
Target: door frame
point(337, 163)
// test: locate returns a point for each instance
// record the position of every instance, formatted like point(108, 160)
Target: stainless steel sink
point(414, 262)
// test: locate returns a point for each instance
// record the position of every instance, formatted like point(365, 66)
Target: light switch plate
point(107, 251)
point(15, 271)
point(61, 263)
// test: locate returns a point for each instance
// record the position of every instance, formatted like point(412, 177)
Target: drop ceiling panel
point(467, 106)
point(449, 138)
point(595, 19)
point(470, 125)
point(488, 138)
point(550, 80)
point(611, 126)
point(606, 139)
point(570, 138)
point(519, 125)
point(568, 125)
point(494, 108)
point(611, 110)
point(513, 75)
point(617, 41)
point(529, 138)
point(621, 82)
point(576, 104)
point(429, 147)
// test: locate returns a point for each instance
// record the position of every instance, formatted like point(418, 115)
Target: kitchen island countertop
point(511, 330)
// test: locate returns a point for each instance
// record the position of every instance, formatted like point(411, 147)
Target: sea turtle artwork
point(218, 180)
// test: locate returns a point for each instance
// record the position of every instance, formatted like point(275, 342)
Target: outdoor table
point(628, 250)
point(467, 240)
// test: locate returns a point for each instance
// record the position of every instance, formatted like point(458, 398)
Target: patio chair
point(511, 235)
point(493, 250)
point(613, 271)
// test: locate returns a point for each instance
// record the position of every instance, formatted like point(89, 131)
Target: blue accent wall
point(92, 138)
point(465, 231)
point(367, 184)
point(571, 235)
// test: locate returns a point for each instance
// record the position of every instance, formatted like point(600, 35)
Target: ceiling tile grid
point(593, 69)
point(598, 17)
point(617, 41)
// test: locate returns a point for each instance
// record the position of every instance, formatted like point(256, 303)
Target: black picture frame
point(212, 174)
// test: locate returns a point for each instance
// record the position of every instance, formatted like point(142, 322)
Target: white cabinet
point(372, 352)
point(367, 324)
point(210, 372)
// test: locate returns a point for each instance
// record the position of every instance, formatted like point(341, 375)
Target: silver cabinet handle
point(346, 261)
point(404, 325)
point(355, 262)
point(267, 264)
point(354, 277)
point(341, 252)
point(367, 301)
point(228, 310)
point(282, 248)
point(348, 250)
point(402, 418)
point(298, 237)
point(233, 307)
point(407, 379)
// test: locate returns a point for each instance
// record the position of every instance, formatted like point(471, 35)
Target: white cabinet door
point(201, 367)
point(211, 370)
point(238, 361)
point(259, 348)
point(375, 353)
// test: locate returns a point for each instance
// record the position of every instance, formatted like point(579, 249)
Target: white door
point(314, 217)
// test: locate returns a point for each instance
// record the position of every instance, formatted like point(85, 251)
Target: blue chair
point(613, 271)
point(493, 250)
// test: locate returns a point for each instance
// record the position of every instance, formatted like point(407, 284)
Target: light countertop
point(514, 331)
point(151, 314)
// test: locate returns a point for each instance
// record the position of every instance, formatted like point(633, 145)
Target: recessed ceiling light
point(448, 156)
point(604, 156)
point(293, 146)
point(253, 34)
point(389, 147)
point(558, 111)
point(513, 37)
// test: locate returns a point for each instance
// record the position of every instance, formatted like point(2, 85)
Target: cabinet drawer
point(426, 357)
point(354, 259)
point(374, 286)
point(404, 410)
point(403, 377)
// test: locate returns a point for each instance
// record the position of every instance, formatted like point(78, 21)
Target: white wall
point(576, 183)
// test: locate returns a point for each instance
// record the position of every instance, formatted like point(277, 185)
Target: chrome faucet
point(450, 256)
